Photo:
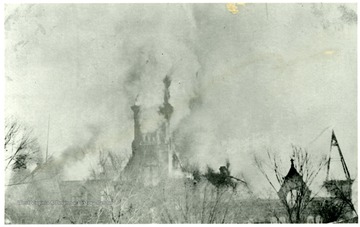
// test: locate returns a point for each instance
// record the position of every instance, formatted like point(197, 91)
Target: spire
point(334, 143)
point(136, 109)
point(292, 171)
point(167, 83)
point(166, 109)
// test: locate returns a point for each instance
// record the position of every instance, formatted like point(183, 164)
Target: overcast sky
point(260, 77)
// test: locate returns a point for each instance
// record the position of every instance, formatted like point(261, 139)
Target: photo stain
point(233, 7)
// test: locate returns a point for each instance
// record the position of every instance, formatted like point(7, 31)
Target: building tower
point(153, 156)
point(337, 187)
point(294, 193)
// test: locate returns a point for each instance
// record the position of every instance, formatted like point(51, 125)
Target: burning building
point(153, 153)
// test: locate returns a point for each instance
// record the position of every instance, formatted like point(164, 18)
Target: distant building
point(294, 194)
point(327, 209)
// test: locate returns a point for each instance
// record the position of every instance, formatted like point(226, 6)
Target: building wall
point(152, 153)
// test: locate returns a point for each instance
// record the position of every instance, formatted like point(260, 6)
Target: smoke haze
point(241, 83)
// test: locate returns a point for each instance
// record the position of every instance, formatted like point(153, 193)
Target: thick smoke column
point(154, 59)
point(75, 161)
point(144, 61)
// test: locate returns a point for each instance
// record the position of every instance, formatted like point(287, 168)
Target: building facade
point(153, 153)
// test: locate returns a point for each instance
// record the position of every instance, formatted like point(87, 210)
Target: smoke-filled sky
point(263, 76)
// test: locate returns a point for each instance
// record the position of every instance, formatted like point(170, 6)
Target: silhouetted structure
point(153, 156)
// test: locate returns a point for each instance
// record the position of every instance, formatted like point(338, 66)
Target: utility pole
point(47, 142)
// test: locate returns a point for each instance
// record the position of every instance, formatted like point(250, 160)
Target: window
point(104, 197)
point(282, 219)
point(318, 219)
point(310, 219)
point(273, 220)
point(291, 197)
point(76, 200)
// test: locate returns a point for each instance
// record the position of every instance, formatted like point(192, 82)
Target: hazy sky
point(263, 78)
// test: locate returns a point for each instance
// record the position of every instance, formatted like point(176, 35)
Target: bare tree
point(299, 199)
point(20, 145)
point(117, 200)
point(340, 205)
point(203, 198)
point(21, 151)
